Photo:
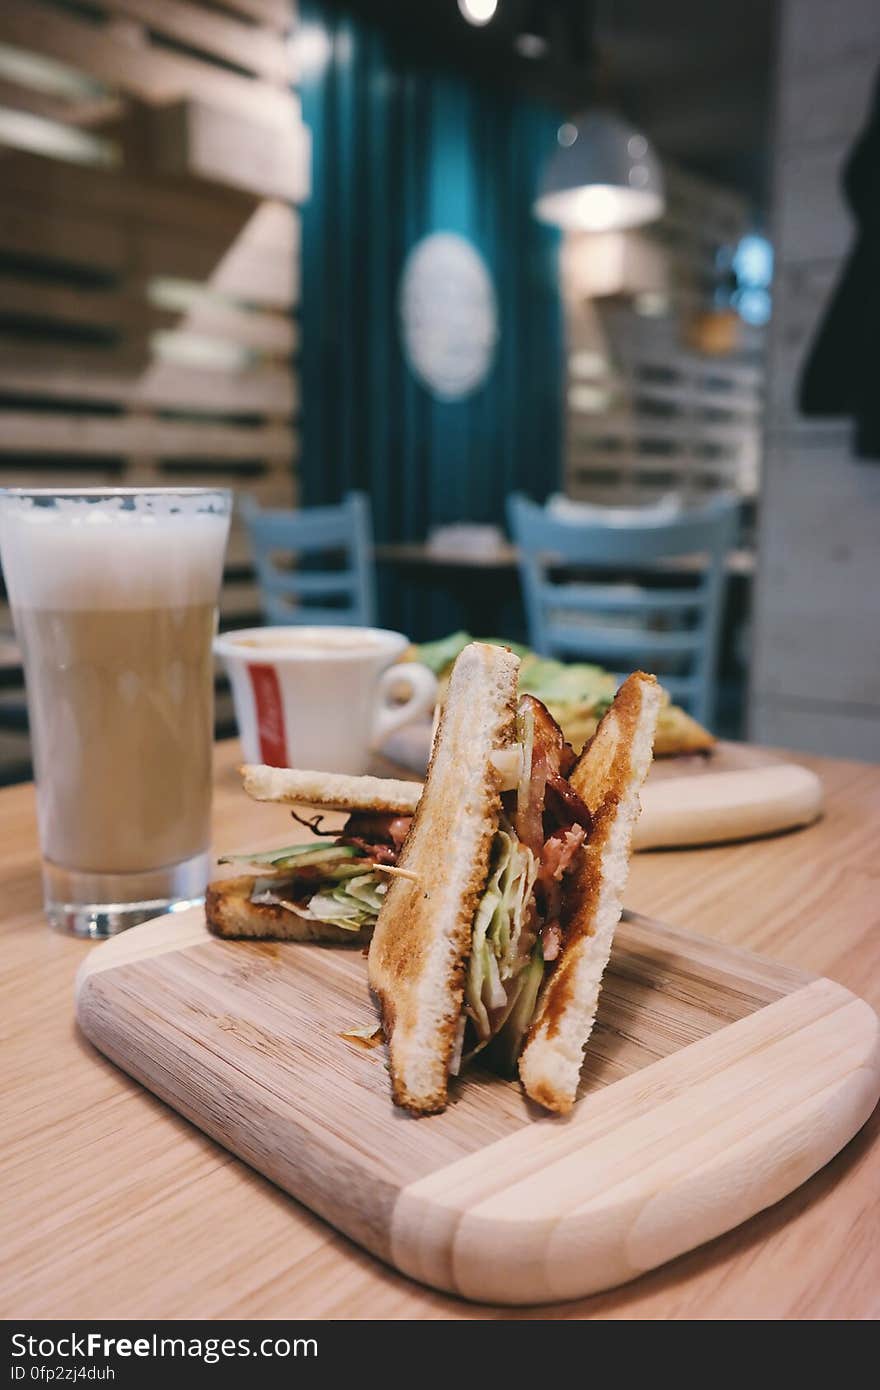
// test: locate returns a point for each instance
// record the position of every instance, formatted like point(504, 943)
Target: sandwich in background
point(577, 694)
point(496, 934)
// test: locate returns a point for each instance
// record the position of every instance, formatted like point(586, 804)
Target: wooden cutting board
point(715, 1083)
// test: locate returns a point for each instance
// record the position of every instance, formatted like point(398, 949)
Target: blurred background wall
point(152, 161)
point(209, 213)
point(404, 152)
point(816, 663)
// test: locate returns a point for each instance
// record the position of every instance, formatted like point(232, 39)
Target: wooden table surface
point(115, 1207)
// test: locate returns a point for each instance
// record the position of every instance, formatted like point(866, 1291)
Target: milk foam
point(98, 554)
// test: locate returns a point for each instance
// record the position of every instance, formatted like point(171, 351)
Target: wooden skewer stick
point(401, 873)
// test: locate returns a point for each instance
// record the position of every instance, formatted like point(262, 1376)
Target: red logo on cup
point(270, 715)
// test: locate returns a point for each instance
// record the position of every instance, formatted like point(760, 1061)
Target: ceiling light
point(530, 45)
point(606, 178)
point(532, 41)
point(478, 11)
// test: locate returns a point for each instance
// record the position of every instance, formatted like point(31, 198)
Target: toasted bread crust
point(678, 733)
point(231, 914)
point(420, 945)
point(332, 791)
point(608, 777)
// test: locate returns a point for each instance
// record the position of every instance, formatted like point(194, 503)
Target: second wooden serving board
point(734, 793)
point(715, 1082)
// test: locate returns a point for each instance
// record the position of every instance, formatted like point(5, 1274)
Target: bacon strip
point(379, 834)
point(552, 758)
point(381, 854)
point(565, 803)
point(551, 941)
point(559, 851)
point(554, 822)
point(549, 739)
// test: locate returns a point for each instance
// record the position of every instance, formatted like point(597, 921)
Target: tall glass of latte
point(114, 600)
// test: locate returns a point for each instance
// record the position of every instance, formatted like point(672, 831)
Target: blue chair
point(313, 592)
point(622, 625)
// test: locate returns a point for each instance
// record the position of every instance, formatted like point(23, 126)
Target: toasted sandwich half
point(330, 888)
point(495, 936)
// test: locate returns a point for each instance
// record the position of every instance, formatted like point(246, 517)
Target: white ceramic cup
point(322, 697)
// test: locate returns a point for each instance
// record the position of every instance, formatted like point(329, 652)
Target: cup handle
point(419, 703)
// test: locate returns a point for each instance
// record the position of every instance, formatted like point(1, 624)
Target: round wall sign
point(448, 315)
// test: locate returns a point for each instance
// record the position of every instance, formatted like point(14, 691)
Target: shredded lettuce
point(497, 954)
point(508, 1041)
point(457, 1045)
point(347, 902)
point(352, 904)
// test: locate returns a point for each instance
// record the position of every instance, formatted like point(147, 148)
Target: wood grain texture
point(105, 55)
point(715, 1083)
point(652, 1166)
point(191, 138)
point(116, 1207)
point(96, 437)
point(244, 45)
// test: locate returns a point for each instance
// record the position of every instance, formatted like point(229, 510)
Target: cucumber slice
point(296, 856)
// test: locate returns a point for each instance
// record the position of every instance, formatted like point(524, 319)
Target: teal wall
point(400, 152)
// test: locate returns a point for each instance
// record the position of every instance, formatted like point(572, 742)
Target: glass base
point(99, 905)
